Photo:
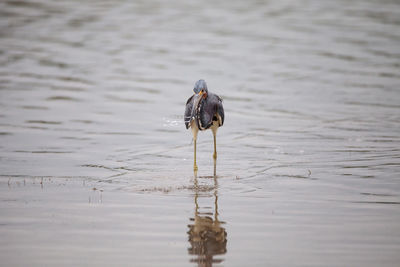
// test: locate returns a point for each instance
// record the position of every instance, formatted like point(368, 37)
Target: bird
point(204, 110)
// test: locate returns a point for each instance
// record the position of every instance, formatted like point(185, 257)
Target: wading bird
point(203, 111)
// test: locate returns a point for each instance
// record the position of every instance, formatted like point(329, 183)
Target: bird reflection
point(207, 237)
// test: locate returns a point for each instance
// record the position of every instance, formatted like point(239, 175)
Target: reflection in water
point(207, 237)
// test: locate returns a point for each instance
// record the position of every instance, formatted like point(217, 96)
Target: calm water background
point(96, 164)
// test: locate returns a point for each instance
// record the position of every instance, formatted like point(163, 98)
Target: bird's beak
point(196, 102)
point(197, 98)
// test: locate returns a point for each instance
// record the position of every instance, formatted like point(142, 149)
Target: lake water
point(96, 166)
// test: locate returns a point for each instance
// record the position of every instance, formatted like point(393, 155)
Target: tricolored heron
point(203, 111)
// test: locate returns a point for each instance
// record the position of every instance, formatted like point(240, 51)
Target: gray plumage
point(204, 109)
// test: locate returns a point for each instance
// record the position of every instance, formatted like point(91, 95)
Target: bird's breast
point(198, 114)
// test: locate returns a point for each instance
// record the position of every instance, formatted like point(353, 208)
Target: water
point(96, 164)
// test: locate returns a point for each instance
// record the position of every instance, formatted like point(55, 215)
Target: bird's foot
point(215, 155)
point(195, 168)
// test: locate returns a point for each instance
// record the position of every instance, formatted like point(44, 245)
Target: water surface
point(96, 164)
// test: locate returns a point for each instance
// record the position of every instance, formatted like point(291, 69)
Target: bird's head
point(200, 88)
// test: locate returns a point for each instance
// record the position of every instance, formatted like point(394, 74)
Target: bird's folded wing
point(188, 112)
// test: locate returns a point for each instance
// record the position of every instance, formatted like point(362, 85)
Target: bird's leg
point(215, 168)
point(215, 145)
point(194, 164)
point(195, 130)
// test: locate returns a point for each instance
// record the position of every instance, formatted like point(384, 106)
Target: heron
point(204, 110)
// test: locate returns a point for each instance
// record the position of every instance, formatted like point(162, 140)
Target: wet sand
point(96, 163)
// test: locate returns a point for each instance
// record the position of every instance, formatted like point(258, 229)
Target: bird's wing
point(220, 111)
point(188, 112)
point(209, 108)
point(207, 111)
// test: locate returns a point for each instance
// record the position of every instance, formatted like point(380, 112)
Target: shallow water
point(96, 164)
